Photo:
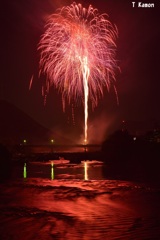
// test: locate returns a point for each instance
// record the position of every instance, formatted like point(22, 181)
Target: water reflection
point(85, 171)
point(25, 171)
point(71, 208)
point(52, 171)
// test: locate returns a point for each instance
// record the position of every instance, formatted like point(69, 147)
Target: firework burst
point(77, 54)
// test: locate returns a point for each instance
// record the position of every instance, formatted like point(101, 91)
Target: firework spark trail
point(86, 92)
point(77, 55)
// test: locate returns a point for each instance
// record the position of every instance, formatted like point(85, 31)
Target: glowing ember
point(77, 55)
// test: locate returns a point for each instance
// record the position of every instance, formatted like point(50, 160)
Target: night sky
point(138, 83)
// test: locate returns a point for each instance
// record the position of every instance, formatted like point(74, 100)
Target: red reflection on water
point(40, 208)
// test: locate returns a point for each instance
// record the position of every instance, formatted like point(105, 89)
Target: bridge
point(53, 148)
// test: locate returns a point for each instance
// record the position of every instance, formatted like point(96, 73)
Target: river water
point(47, 200)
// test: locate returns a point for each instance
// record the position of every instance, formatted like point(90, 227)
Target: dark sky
point(138, 83)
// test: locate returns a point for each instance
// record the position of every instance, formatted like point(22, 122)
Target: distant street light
point(52, 140)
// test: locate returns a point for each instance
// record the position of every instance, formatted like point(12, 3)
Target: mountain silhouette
point(15, 126)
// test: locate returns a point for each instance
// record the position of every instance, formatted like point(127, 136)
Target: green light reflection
point(25, 171)
point(52, 171)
